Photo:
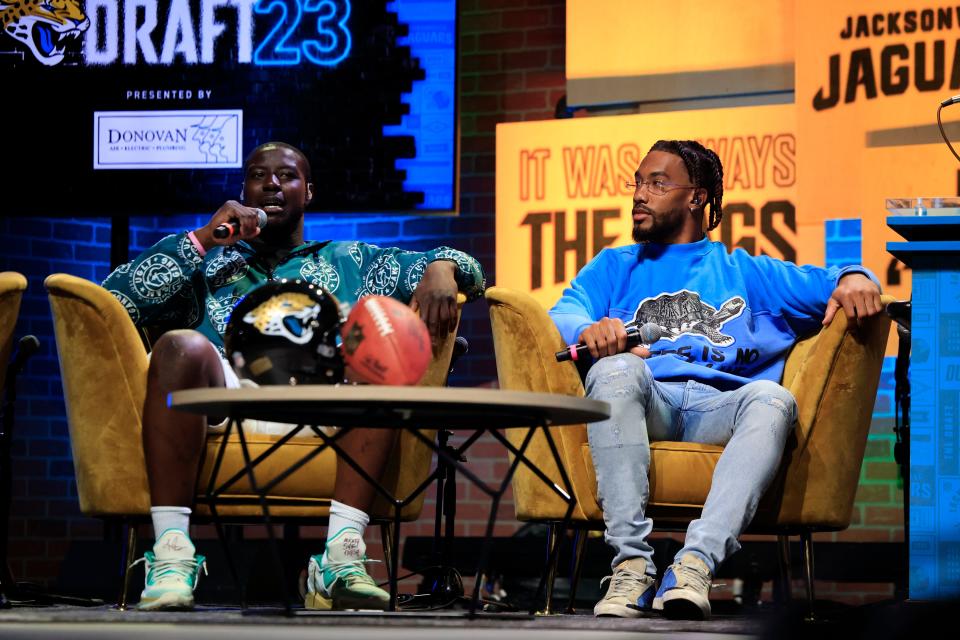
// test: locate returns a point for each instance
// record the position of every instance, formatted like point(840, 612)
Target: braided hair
point(705, 171)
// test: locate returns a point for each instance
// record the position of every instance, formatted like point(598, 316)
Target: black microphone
point(460, 348)
point(645, 335)
point(26, 347)
point(950, 101)
point(230, 229)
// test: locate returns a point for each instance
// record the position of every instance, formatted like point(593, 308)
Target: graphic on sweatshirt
point(683, 312)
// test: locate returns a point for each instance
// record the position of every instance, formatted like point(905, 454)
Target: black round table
point(411, 408)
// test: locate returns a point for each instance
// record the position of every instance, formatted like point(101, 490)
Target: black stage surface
point(877, 622)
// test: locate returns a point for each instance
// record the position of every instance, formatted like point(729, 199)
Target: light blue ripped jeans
point(752, 423)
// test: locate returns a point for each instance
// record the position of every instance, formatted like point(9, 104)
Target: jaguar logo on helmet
point(290, 315)
point(285, 332)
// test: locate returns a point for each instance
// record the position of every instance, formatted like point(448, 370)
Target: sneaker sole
point(167, 602)
point(361, 604)
point(317, 602)
point(683, 609)
point(612, 610)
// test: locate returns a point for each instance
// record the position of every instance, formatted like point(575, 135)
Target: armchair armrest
point(834, 377)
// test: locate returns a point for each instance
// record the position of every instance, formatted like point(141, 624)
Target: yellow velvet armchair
point(12, 286)
point(833, 375)
point(103, 362)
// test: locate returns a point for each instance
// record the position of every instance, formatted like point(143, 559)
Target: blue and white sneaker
point(630, 593)
point(684, 592)
point(337, 579)
point(172, 572)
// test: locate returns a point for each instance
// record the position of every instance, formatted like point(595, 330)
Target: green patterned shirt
point(171, 286)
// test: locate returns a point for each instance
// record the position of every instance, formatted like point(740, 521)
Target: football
point(385, 342)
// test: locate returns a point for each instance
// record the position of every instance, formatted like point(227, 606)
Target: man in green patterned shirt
point(187, 284)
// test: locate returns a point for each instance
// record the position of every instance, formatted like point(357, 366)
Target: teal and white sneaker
point(337, 580)
point(173, 571)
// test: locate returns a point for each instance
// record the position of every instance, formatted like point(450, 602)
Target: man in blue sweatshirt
point(689, 385)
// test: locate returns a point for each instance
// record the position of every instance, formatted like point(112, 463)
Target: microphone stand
point(442, 584)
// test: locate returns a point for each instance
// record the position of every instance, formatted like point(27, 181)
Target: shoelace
point(350, 571)
point(623, 582)
point(688, 575)
point(163, 569)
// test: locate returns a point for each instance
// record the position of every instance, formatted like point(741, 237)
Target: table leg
point(211, 493)
point(274, 547)
point(491, 520)
point(566, 493)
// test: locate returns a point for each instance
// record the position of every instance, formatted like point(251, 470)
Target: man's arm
point(586, 300)
point(148, 287)
point(809, 296)
point(429, 281)
point(858, 296)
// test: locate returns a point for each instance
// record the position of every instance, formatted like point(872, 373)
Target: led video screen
point(149, 106)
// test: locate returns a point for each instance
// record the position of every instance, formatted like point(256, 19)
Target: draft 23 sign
point(190, 85)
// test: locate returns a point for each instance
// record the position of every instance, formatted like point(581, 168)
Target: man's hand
point(436, 299)
point(246, 217)
point(608, 337)
point(858, 296)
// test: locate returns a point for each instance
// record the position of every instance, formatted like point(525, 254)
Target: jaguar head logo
point(46, 27)
point(286, 315)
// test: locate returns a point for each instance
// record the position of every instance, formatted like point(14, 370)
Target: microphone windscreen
point(261, 218)
point(650, 332)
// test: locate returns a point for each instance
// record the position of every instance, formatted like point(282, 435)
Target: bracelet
point(196, 243)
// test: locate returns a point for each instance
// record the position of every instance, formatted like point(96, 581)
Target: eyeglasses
point(657, 186)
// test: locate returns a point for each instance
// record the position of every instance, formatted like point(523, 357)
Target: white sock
point(343, 515)
point(347, 548)
point(170, 518)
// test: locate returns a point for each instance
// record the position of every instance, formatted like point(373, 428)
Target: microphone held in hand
point(646, 334)
point(232, 228)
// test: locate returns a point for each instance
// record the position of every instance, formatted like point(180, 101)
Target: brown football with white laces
point(385, 342)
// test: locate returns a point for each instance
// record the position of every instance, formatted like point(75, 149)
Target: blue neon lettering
point(334, 40)
point(331, 45)
point(280, 54)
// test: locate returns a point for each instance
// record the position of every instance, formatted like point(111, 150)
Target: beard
point(658, 231)
point(280, 229)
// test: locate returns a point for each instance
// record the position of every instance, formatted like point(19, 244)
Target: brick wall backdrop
point(511, 68)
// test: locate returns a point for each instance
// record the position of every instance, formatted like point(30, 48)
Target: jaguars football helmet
point(285, 332)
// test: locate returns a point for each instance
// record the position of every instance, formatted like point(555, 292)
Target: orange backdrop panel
point(631, 38)
point(869, 77)
point(561, 195)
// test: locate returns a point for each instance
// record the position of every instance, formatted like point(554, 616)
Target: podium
point(931, 229)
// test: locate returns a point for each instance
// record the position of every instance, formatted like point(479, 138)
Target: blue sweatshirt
point(725, 318)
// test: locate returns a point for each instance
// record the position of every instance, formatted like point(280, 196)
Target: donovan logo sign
point(208, 139)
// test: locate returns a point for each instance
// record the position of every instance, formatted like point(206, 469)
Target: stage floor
point(879, 621)
point(106, 623)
